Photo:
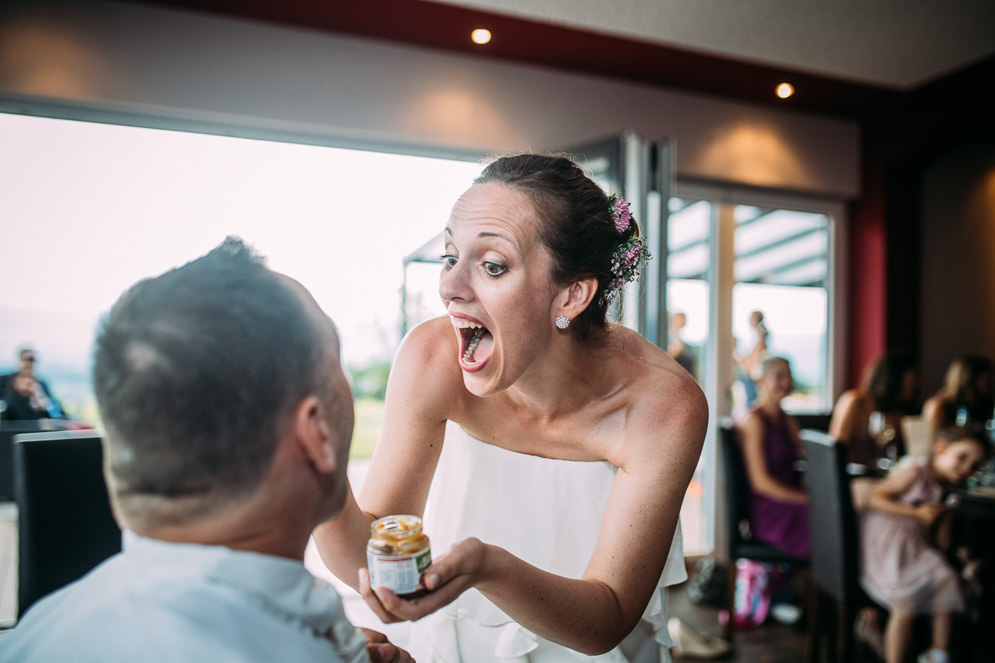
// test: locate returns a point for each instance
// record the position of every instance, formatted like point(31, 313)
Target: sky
point(87, 209)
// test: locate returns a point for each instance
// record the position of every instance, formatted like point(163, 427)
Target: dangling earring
point(562, 322)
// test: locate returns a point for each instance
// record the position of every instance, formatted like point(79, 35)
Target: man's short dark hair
point(195, 372)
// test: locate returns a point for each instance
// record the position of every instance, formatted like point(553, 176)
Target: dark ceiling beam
point(784, 241)
point(763, 275)
point(762, 214)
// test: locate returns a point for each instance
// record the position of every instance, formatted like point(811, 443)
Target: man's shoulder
point(110, 616)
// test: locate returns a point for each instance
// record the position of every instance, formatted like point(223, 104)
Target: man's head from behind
point(202, 374)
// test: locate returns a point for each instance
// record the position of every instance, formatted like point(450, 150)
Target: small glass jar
point(397, 555)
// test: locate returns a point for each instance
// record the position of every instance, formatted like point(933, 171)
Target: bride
point(551, 448)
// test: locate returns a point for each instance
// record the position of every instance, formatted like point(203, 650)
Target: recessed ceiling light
point(785, 90)
point(480, 36)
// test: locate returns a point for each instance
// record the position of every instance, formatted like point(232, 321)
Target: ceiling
point(846, 58)
point(894, 44)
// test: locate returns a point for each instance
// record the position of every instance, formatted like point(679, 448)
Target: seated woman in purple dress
point(771, 446)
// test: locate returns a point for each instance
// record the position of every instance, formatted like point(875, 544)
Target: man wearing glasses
point(25, 395)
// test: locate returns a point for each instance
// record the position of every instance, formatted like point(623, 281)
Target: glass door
point(691, 229)
point(780, 301)
point(720, 256)
point(641, 172)
point(675, 304)
point(744, 263)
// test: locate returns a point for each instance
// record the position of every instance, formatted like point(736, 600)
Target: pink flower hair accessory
point(629, 257)
point(620, 213)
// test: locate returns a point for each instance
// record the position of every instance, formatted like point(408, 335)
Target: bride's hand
point(449, 576)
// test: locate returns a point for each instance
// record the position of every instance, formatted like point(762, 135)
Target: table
point(973, 538)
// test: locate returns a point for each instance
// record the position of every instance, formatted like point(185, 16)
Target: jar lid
point(396, 527)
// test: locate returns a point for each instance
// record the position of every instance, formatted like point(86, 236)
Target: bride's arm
point(419, 391)
point(594, 613)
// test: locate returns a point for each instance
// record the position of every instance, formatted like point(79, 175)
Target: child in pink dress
point(900, 568)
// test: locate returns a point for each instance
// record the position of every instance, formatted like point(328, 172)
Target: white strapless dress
point(546, 512)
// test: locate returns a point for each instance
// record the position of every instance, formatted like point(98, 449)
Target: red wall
point(900, 141)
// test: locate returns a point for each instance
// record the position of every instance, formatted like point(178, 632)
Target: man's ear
point(313, 435)
point(576, 297)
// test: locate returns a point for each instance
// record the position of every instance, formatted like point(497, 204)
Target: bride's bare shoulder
point(432, 340)
point(427, 357)
point(664, 385)
point(657, 364)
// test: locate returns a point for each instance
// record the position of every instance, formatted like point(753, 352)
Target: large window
point(781, 274)
point(88, 209)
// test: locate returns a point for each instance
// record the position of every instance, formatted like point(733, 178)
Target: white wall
point(142, 63)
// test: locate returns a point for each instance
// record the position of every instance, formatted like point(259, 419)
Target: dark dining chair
point(742, 545)
point(65, 525)
point(8, 429)
point(834, 569)
point(814, 420)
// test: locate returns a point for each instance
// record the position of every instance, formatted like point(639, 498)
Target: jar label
point(400, 574)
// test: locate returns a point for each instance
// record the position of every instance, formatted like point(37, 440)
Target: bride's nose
point(453, 283)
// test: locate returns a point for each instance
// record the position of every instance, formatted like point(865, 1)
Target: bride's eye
point(494, 269)
point(448, 261)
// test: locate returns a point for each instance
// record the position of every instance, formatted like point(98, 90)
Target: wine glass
point(876, 423)
point(884, 433)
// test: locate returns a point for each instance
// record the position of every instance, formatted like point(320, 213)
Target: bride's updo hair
point(575, 224)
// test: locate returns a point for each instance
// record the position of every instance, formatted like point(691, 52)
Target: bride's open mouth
point(475, 343)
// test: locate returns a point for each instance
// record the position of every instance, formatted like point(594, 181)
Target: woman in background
point(771, 448)
point(682, 353)
point(967, 395)
point(869, 418)
point(748, 366)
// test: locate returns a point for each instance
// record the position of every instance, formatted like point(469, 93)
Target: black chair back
point(8, 429)
point(736, 487)
point(65, 525)
point(834, 559)
point(737, 497)
point(814, 420)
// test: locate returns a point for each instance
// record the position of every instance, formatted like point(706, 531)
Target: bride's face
point(496, 285)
